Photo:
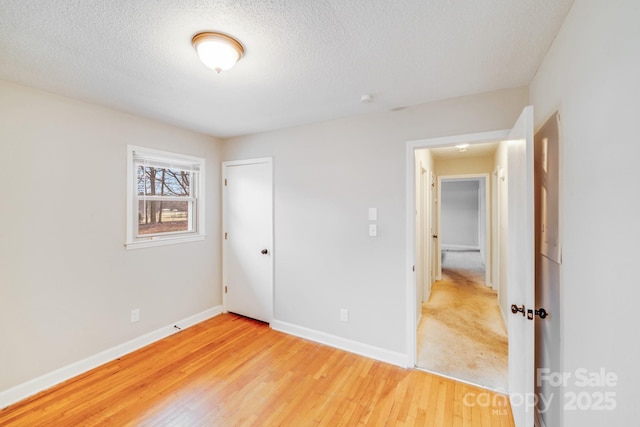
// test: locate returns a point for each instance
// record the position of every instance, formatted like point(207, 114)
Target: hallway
point(462, 333)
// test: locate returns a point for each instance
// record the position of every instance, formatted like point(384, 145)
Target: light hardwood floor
point(233, 371)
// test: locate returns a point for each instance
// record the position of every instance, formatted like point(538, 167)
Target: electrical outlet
point(344, 315)
point(135, 315)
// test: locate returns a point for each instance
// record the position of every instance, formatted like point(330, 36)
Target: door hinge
point(225, 182)
point(225, 290)
point(225, 236)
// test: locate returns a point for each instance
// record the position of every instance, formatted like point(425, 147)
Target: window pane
point(161, 216)
point(153, 181)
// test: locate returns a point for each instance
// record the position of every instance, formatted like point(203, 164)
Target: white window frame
point(135, 241)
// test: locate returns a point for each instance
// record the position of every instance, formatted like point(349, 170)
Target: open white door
point(520, 269)
point(248, 235)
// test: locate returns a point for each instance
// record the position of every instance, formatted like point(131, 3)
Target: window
point(165, 198)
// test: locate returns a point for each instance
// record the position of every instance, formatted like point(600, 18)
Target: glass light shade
point(217, 51)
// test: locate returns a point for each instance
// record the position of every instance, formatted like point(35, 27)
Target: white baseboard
point(36, 385)
point(445, 247)
point(377, 353)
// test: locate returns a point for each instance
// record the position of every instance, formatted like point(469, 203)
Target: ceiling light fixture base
point(217, 51)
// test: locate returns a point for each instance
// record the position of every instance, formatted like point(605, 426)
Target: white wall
point(591, 76)
point(67, 284)
point(459, 214)
point(474, 165)
point(326, 175)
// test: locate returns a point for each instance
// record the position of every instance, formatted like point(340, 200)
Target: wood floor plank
point(233, 371)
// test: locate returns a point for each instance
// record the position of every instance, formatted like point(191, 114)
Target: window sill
point(162, 241)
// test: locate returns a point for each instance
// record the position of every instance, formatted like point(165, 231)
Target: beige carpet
point(462, 334)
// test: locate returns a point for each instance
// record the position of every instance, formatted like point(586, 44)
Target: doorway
point(516, 286)
point(461, 331)
point(463, 212)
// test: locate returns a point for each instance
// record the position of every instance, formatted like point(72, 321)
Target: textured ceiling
point(306, 60)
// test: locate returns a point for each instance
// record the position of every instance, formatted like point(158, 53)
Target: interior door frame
point(487, 221)
point(426, 232)
point(410, 235)
point(433, 226)
point(235, 163)
point(496, 193)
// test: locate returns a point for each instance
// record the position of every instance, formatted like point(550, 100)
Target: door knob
point(435, 236)
point(264, 251)
point(532, 313)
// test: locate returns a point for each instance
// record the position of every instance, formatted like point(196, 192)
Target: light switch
point(373, 230)
point(373, 214)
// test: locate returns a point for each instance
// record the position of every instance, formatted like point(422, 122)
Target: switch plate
point(135, 315)
point(373, 230)
point(373, 214)
point(344, 315)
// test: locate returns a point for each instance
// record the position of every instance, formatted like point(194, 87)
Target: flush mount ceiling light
point(462, 147)
point(217, 51)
